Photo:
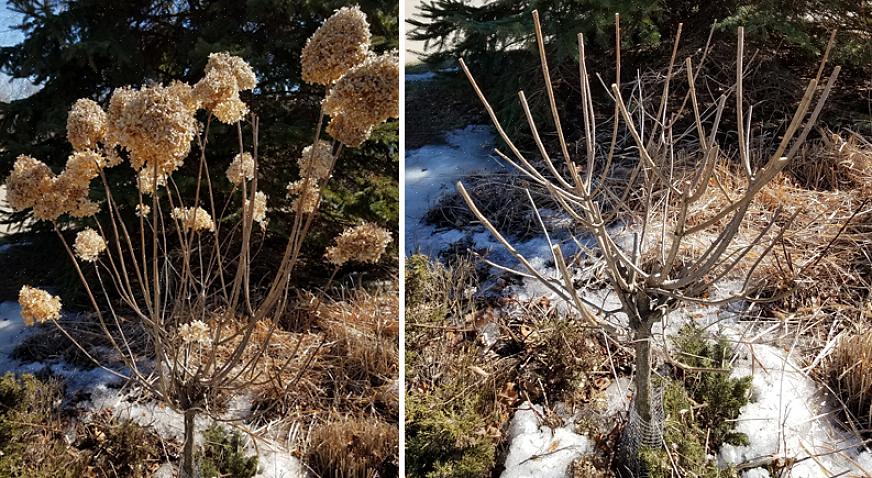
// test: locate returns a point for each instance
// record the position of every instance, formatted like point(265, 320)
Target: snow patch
point(789, 417)
point(541, 451)
point(12, 332)
point(431, 172)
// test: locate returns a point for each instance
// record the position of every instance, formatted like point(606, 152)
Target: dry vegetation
point(471, 362)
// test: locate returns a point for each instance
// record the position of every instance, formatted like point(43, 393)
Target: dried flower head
point(364, 243)
point(155, 125)
point(339, 44)
point(230, 111)
point(143, 210)
point(33, 185)
point(86, 124)
point(82, 167)
point(307, 195)
point(194, 332)
point(258, 213)
point(29, 182)
point(234, 66)
point(185, 93)
point(89, 245)
point(194, 219)
point(316, 160)
point(218, 91)
point(348, 131)
point(38, 306)
point(241, 169)
point(369, 92)
point(147, 182)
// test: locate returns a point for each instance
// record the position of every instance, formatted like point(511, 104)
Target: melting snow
point(541, 451)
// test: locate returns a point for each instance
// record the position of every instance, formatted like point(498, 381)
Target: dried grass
point(838, 162)
point(825, 248)
point(503, 197)
point(354, 448)
point(849, 373)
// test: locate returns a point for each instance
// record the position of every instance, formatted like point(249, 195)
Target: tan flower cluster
point(194, 332)
point(258, 213)
point(29, 182)
point(86, 125)
point(38, 306)
point(33, 185)
point(348, 131)
point(339, 44)
point(147, 182)
point(143, 210)
point(364, 243)
point(89, 245)
point(195, 219)
point(307, 195)
point(316, 160)
point(241, 169)
point(155, 125)
point(225, 76)
point(367, 95)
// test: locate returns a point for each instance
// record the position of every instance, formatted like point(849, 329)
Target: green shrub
point(444, 438)
point(724, 396)
point(223, 455)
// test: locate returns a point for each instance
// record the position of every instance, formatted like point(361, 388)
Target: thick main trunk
point(643, 372)
point(188, 451)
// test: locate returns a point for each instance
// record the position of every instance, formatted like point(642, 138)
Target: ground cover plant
point(179, 307)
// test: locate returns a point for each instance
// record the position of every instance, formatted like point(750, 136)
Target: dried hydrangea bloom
point(258, 213)
point(154, 125)
point(369, 92)
point(194, 219)
point(307, 195)
point(185, 93)
point(33, 185)
point(216, 87)
point(194, 332)
point(82, 167)
point(348, 131)
point(29, 182)
point(339, 44)
point(147, 182)
point(316, 160)
point(218, 91)
point(235, 66)
point(364, 243)
point(230, 111)
point(89, 245)
point(143, 210)
point(86, 124)
point(241, 169)
point(38, 306)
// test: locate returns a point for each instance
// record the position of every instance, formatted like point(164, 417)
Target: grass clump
point(849, 373)
point(700, 405)
point(354, 448)
point(223, 454)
